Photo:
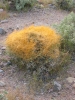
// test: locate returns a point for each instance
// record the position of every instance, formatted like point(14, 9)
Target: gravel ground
point(11, 76)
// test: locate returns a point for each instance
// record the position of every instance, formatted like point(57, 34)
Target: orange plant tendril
point(34, 41)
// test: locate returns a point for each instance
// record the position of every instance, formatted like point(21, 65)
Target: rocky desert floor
point(11, 77)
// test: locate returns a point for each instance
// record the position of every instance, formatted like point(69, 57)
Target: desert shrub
point(4, 5)
point(65, 4)
point(18, 4)
point(33, 42)
point(67, 29)
point(21, 4)
point(2, 96)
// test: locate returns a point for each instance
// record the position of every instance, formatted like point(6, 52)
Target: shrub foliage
point(65, 4)
point(21, 4)
point(67, 29)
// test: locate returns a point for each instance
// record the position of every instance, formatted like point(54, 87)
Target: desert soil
point(11, 75)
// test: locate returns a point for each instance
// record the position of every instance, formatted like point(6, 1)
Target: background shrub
point(21, 4)
point(65, 4)
point(4, 4)
point(17, 4)
point(67, 29)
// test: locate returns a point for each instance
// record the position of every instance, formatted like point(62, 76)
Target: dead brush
point(19, 94)
point(3, 15)
point(4, 4)
point(45, 1)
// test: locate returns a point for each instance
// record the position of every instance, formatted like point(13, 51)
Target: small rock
point(3, 64)
point(58, 78)
point(57, 86)
point(9, 63)
point(70, 79)
point(42, 6)
point(0, 53)
point(4, 21)
point(2, 31)
point(17, 27)
point(52, 6)
point(11, 29)
point(3, 48)
point(1, 71)
point(73, 98)
point(2, 84)
point(52, 98)
point(54, 94)
point(42, 93)
point(73, 85)
point(15, 15)
point(25, 83)
point(1, 10)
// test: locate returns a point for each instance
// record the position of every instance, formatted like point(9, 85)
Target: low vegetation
point(4, 5)
point(65, 4)
point(24, 5)
point(67, 30)
point(17, 4)
point(4, 15)
point(16, 94)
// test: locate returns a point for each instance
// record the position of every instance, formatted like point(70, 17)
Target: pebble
point(1, 71)
point(9, 63)
point(10, 29)
point(42, 6)
point(2, 31)
point(25, 83)
point(17, 27)
point(3, 48)
point(4, 21)
point(73, 85)
point(70, 79)
point(52, 98)
point(2, 84)
point(0, 53)
point(57, 86)
point(2, 64)
point(52, 6)
point(1, 10)
point(54, 95)
point(73, 98)
point(15, 15)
